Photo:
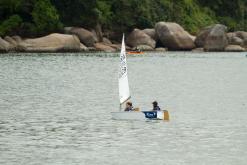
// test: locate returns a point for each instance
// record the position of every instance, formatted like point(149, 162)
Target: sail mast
point(124, 93)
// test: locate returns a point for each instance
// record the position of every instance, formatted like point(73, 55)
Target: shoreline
point(165, 36)
point(145, 53)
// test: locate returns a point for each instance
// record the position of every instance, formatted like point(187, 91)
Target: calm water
point(55, 109)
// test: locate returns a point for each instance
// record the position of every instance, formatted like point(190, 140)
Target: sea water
point(55, 109)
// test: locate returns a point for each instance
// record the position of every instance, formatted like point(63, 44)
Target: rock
point(95, 35)
point(213, 38)
point(230, 35)
point(17, 39)
point(151, 33)
point(103, 47)
point(138, 37)
point(174, 36)
point(236, 41)
point(83, 47)
point(143, 47)
point(51, 43)
point(117, 46)
point(216, 39)
point(116, 42)
point(234, 48)
point(245, 44)
point(202, 35)
point(106, 41)
point(91, 49)
point(4, 45)
point(241, 34)
point(126, 47)
point(198, 50)
point(192, 37)
point(113, 36)
point(233, 39)
point(86, 37)
point(161, 49)
point(11, 41)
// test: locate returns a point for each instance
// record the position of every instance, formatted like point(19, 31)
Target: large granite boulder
point(245, 44)
point(103, 47)
point(192, 37)
point(143, 48)
point(118, 47)
point(17, 39)
point(106, 41)
point(173, 36)
point(11, 41)
point(202, 35)
point(86, 37)
point(233, 39)
point(230, 35)
point(234, 48)
point(216, 39)
point(83, 47)
point(151, 33)
point(198, 50)
point(96, 38)
point(161, 49)
point(138, 37)
point(243, 36)
point(51, 43)
point(4, 45)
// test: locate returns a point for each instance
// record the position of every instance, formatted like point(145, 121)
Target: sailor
point(155, 106)
point(129, 106)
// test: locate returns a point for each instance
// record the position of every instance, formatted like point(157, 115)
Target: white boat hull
point(141, 115)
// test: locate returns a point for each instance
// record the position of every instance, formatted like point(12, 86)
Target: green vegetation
point(45, 17)
point(10, 24)
point(39, 17)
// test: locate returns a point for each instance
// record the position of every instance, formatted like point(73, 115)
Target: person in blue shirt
point(129, 106)
point(155, 106)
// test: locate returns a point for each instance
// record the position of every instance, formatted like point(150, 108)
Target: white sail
point(124, 93)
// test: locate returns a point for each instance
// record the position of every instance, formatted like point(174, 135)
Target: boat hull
point(135, 52)
point(141, 115)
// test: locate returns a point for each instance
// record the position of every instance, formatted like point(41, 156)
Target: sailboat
point(124, 95)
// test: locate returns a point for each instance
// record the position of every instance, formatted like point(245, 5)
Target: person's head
point(155, 103)
point(129, 104)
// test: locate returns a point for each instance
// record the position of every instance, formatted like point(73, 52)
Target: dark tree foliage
point(38, 17)
point(231, 13)
point(45, 17)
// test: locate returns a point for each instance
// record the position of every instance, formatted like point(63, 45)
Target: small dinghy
point(135, 52)
point(141, 115)
point(124, 96)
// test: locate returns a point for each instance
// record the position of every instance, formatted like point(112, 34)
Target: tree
point(45, 17)
point(38, 17)
point(10, 24)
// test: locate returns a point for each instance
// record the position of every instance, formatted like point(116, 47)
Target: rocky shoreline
point(164, 36)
